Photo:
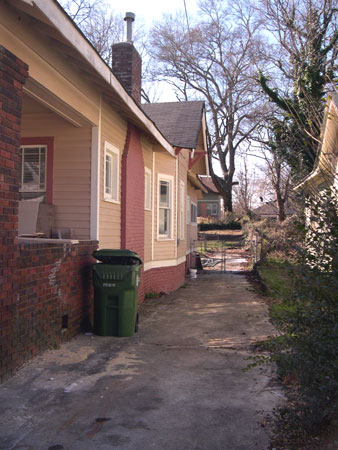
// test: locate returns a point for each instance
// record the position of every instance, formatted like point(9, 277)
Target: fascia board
point(204, 130)
point(70, 33)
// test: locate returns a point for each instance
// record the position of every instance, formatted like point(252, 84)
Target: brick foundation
point(164, 279)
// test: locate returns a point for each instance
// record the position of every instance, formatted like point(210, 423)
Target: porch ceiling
point(35, 94)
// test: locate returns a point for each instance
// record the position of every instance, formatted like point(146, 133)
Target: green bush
point(233, 225)
point(306, 312)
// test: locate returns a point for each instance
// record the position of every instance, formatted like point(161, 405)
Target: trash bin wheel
point(136, 323)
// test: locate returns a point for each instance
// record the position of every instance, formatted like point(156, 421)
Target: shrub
point(234, 225)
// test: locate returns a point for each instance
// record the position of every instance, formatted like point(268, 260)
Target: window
point(36, 169)
point(147, 189)
point(111, 173)
point(188, 210)
point(165, 208)
point(182, 209)
point(33, 171)
point(193, 213)
point(212, 209)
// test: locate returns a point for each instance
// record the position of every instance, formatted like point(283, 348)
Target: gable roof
point(209, 184)
point(271, 209)
point(179, 122)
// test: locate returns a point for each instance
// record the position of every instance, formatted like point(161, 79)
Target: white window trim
point(22, 189)
point(109, 148)
point(182, 210)
point(148, 172)
point(195, 204)
point(188, 206)
point(164, 177)
point(214, 209)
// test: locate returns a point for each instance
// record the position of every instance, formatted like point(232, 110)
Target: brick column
point(132, 196)
point(13, 74)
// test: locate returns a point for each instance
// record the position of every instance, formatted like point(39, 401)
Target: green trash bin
point(116, 279)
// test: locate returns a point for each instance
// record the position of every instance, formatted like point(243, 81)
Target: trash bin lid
point(117, 256)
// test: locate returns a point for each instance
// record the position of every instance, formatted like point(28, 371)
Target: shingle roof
point(208, 183)
point(270, 209)
point(179, 122)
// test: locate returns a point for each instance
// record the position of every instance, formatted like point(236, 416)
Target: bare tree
point(276, 171)
point(304, 59)
point(104, 27)
point(246, 189)
point(279, 175)
point(215, 59)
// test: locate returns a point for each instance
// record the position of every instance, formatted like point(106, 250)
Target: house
point(320, 189)
point(270, 210)
point(210, 206)
point(325, 172)
point(82, 166)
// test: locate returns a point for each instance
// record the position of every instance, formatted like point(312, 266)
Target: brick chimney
point(127, 63)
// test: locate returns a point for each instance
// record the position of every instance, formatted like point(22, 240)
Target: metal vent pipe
point(129, 18)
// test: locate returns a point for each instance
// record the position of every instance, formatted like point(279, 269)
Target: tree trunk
point(227, 198)
point(281, 208)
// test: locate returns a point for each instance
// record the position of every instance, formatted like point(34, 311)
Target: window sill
point(109, 200)
point(47, 241)
point(160, 239)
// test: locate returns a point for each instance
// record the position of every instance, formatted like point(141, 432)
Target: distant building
point(211, 205)
point(270, 210)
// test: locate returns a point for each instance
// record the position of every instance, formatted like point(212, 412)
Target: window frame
point(193, 207)
point(188, 207)
point(42, 141)
point(113, 152)
point(182, 210)
point(170, 180)
point(214, 209)
point(147, 189)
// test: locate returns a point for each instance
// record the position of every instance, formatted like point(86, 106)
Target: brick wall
point(13, 74)
point(164, 279)
point(53, 303)
point(132, 196)
point(127, 66)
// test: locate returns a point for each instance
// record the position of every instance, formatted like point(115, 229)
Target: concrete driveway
point(177, 384)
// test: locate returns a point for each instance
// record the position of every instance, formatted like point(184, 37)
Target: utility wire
point(187, 19)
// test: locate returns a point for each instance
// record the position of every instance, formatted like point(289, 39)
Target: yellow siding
point(114, 131)
point(192, 229)
point(72, 164)
point(47, 65)
point(183, 161)
point(147, 148)
point(165, 165)
point(200, 166)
